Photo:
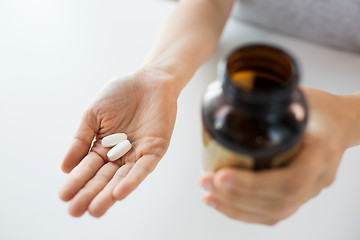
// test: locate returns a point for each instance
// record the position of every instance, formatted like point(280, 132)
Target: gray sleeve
point(334, 23)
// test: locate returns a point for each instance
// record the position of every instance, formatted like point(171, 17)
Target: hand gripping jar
point(254, 115)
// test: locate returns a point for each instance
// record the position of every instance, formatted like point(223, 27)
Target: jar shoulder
point(238, 129)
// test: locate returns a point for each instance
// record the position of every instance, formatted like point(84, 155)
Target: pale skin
point(143, 104)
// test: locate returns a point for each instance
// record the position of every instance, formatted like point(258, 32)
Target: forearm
point(353, 109)
point(188, 38)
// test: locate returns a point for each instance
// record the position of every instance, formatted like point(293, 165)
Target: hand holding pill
point(102, 164)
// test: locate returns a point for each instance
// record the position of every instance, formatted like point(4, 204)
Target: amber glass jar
point(254, 115)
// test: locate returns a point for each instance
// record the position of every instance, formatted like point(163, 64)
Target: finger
point(207, 181)
point(266, 184)
point(82, 199)
point(80, 175)
point(81, 142)
point(238, 196)
point(143, 167)
point(236, 213)
point(104, 200)
point(247, 200)
point(276, 182)
point(224, 190)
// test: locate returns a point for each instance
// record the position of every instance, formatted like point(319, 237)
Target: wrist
point(351, 112)
point(164, 78)
point(170, 71)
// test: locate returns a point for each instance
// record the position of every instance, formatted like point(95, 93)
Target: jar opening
point(260, 73)
point(259, 67)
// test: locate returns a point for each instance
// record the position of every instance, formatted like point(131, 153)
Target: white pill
point(119, 150)
point(113, 139)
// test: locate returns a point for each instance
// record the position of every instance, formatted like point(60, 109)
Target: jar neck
point(259, 78)
point(260, 102)
point(265, 105)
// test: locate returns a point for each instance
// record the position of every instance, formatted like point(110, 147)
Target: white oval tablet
point(113, 139)
point(119, 150)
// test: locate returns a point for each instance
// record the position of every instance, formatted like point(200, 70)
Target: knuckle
point(76, 178)
point(274, 219)
point(280, 204)
point(144, 168)
point(230, 211)
point(253, 186)
point(272, 222)
point(101, 177)
point(147, 169)
point(87, 192)
point(229, 195)
point(330, 180)
point(323, 177)
point(86, 167)
point(333, 147)
point(223, 175)
point(233, 214)
point(292, 185)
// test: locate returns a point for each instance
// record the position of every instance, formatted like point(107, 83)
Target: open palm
point(142, 105)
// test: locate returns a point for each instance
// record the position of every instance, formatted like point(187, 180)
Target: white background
point(55, 55)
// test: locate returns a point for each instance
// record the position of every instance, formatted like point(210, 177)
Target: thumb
point(81, 142)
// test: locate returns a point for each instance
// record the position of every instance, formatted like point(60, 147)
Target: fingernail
point(211, 204)
point(208, 186)
point(227, 184)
